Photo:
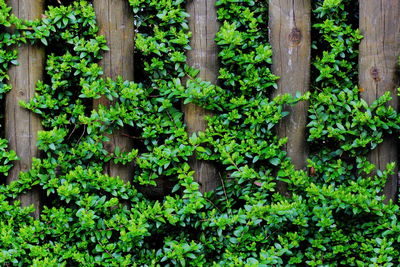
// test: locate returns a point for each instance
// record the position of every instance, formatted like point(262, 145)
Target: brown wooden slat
point(115, 20)
point(379, 51)
point(203, 56)
point(290, 37)
point(21, 125)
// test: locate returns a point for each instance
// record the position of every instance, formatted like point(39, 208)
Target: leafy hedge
point(334, 215)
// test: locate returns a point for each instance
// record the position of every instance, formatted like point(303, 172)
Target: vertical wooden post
point(203, 56)
point(379, 52)
point(115, 20)
point(21, 125)
point(290, 37)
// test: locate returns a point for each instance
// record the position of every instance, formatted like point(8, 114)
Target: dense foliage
point(334, 214)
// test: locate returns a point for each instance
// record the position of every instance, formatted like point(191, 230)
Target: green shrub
point(333, 216)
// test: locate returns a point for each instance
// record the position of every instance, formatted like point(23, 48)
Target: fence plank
point(290, 37)
point(379, 51)
point(21, 125)
point(115, 20)
point(203, 56)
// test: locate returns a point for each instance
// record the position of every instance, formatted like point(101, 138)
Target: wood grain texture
point(115, 20)
point(21, 125)
point(379, 51)
point(290, 37)
point(203, 56)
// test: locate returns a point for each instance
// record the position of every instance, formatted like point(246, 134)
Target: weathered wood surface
point(290, 37)
point(203, 56)
point(379, 52)
point(21, 125)
point(115, 20)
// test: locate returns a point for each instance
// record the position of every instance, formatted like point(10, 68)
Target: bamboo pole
point(203, 56)
point(115, 20)
point(290, 37)
point(21, 125)
point(379, 51)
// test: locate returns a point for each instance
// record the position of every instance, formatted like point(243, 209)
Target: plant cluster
point(333, 215)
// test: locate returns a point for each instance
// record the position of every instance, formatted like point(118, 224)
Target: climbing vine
point(332, 215)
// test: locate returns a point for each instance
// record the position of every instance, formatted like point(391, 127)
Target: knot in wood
point(109, 147)
point(375, 74)
point(295, 36)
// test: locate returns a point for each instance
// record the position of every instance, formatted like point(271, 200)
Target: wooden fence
point(290, 27)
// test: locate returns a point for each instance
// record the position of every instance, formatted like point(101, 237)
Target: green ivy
point(345, 195)
point(332, 215)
